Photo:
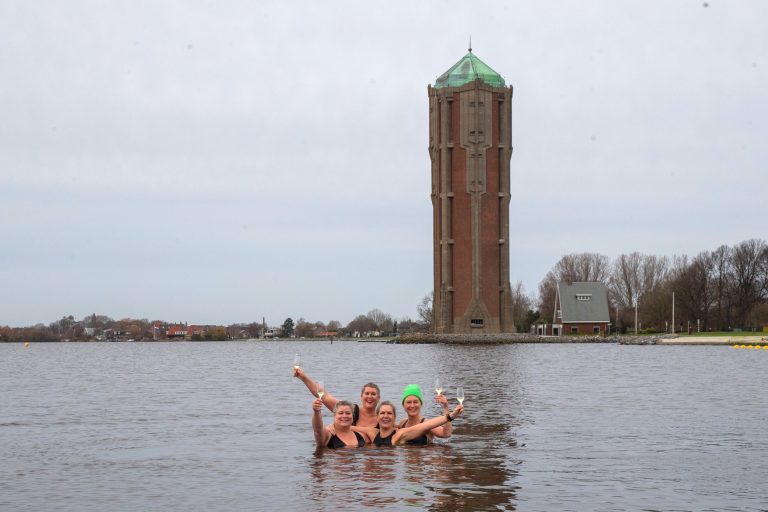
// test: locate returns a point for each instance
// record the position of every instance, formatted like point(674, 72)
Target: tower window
point(583, 296)
point(476, 322)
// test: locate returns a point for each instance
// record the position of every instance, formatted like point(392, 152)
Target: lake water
point(223, 426)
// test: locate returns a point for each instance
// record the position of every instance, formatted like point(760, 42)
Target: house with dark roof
point(581, 308)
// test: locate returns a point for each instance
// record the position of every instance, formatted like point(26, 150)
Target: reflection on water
point(222, 426)
point(432, 478)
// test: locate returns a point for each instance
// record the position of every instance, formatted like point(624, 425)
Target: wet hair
point(343, 403)
point(370, 385)
point(387, 402)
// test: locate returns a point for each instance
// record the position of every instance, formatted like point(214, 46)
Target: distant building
point(470, 146)
point(580, 308)
point(194, 330)
point(176, 331)
point(272, 332)
point(159, 331)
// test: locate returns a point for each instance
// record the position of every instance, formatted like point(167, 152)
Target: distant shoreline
point(502, 339)
point(482, 339)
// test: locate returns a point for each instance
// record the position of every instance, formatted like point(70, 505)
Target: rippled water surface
point(223, 426)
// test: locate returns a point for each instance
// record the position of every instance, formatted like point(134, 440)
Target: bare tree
point(304, 329)
point(639, 278)
point(695, 288)
point(583, 267)
point(626, 280)
point(424, 309)
point(749, 276)
point(521, 305)
point(635, 275)
point(381, 321)
point(361, 325)
point(723, 275)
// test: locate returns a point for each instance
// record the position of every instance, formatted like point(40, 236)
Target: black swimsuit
point(383, 441)
point(335, 442)
point(419, 441)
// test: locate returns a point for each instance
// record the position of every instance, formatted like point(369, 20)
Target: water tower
point(470, 146)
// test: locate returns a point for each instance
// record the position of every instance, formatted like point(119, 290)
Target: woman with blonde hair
point(412, 403)
point(339, 434)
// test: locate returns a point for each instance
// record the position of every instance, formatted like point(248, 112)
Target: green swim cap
point(412, 390)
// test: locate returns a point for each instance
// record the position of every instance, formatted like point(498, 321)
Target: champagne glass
point(296, 363)
point(438, 390)
point(460, 395)
point(320, 389)
point(438, 387)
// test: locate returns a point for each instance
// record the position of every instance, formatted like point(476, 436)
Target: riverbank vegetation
point(724, 290)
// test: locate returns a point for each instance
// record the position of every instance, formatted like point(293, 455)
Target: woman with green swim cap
point(412, 402)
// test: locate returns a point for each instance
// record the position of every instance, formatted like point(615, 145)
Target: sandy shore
point(715, 340)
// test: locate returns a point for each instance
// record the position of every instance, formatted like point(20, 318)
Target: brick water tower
point(470, 146)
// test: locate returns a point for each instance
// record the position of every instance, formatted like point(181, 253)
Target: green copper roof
point(468, 69)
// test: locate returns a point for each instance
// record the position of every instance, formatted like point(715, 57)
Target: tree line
point(94, 327)
point(718, 290)
point(373, 323)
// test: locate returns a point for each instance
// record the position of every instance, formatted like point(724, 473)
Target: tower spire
point(470, 44)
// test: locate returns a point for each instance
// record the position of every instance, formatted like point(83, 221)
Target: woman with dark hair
point(363, 415)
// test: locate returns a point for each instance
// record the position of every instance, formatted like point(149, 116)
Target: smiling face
point(412, 405)
point(343, 416)
point(369, 397)
point(386, 415)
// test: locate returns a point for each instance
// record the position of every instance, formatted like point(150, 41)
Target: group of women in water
point(372, 422)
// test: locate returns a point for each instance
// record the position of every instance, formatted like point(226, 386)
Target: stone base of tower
point(477, 319)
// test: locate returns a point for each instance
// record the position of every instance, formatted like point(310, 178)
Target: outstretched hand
point(457, 411)
point(298, 373)
point(443, 401)
point(317, 405)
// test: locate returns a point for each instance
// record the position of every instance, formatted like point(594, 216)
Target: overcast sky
point(220, 162)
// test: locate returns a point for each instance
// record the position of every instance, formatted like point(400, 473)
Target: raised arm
point(408, 433)
point(446, 429)
point(328, 400)
point(321, 435)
